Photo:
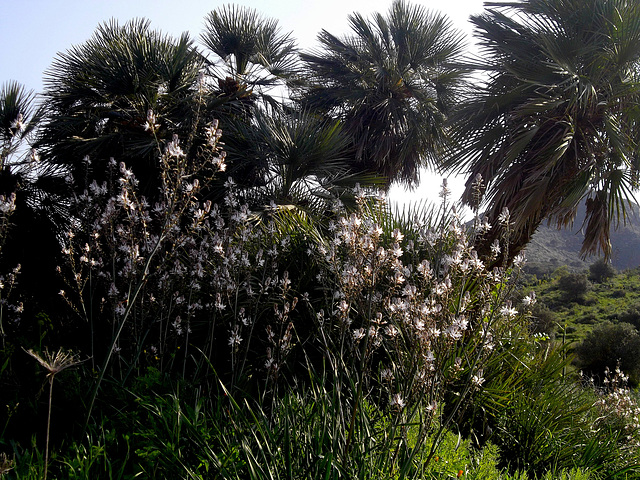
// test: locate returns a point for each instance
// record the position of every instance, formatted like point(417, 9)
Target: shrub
point(543, 320)
point(574, 286)
point(617, 410)
point(601, 270)
point(618, 293)
point(631, 315)
point(608, 346)
point(588, 319)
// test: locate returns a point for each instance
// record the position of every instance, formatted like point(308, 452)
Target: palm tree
point(120, 94)
point(252, 53)
point(30, 209)
point(393, 83)
point(555, 122)
point(303, 158)
point(251, 59)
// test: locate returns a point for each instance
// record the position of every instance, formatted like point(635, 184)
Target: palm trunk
point(511, 242)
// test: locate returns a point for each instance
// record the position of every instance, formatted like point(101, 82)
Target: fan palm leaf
point(246, 42)
point(304, 160)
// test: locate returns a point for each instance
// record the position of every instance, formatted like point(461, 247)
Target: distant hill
point(551, 248)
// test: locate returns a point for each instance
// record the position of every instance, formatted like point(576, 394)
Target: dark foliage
point(574, 286)
point(555, 124)
point(393, 82)
point(601, 270)
point(608, 346)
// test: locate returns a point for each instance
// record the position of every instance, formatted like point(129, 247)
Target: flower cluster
point(618, 408)
point(410, 304)
point(175, 271)
point(418, 305)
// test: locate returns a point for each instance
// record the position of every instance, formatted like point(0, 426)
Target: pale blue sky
point(32, 32)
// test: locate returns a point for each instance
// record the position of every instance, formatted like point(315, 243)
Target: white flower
point(235, 339)
point(213, 133)
point(391, 331)
point(173, 148)
point(151, 124)
point(529, 299)
point(409, 291)
point(508, 311)
point(397, 235)
point(519, 260)
point(424, 268)
point(478, 379)
point(495, 247)
point(444, 190)
point(504, 218)
point(343, 307)
point(398, 278)
point(460, 323)
point(358, 334)
point(219, 163)
point(386, 374)
point(177, 325)
point(453, 332)
point(397, 401)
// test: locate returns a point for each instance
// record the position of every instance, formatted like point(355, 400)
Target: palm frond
point(247, 42)
point(392, 82)
point(557, 115)
point(98, 95)
point(18, 115)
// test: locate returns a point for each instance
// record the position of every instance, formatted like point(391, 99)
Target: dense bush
point(543, 320)
point(354, 345)
point(631, 315)
point(609, 346)
point(574, 286)
point(601, 270)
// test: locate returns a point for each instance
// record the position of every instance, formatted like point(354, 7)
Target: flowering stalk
point(126, 228)
point(53, 364)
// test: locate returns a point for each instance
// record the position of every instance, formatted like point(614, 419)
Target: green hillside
point(572, 304)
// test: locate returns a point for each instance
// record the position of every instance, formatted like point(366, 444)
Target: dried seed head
point(55, 362)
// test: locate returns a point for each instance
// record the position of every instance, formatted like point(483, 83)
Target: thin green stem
point(132, 297)
point(46, 448)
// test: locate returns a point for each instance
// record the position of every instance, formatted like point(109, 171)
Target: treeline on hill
point(207, 272)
